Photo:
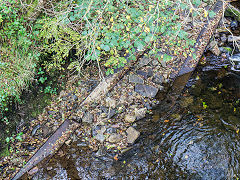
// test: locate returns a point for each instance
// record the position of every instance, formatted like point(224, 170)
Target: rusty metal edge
point(189, 65)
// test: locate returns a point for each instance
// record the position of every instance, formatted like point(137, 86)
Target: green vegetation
point(101, 31)
point(108, 31)
point(18, 52)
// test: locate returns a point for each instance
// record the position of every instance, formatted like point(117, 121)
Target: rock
point(77, 119)
point(146, 90)
point(148, 106)
point(226, 50)
point(158, 79)
point(95, 130)
point(111, 130)
point(110, 102)
point(164, 64)
point(49, 168)
point(132, 134)
point(155, 62)
point(33, 171)
point(46, 131)
point(109, 113)
point(68, 142)
point(188, 27)
point(35, 129)
point(165, 75)
point(100, 137)
point(114, 138)
point(130, 118)
point(150, 72)
point(233, 120)
point(142, 73)
point(232, 38)
point(213, 47)
point(145, 74)
point(135, 79)
point(176, 117)
point(101, 151)
point(82, 144)
point(30, 148)
point(234, 25)
point(87, 118)
point(224, 38)
point(140, 113)
point(144, 61)
point(75, 98)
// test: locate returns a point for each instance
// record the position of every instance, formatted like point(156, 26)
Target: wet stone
point(33, 171)
point(164, 64)
point(35, 129)
point(30, 148)
point(155, 62)
point(76, 118)
point(114, 138)
point(140, 113)
point(129, 118)
point(158, 79)
point(110, 102)
point(111, 130)
point(150, 72)
point(224, 38)
point(88, 118)
point(101, 151)
point(132, 135)
point(146, 90)
point(100, 137)
point(148, 106)
point(109, 113)
point(144, 61)
point(135, 79)
point(142, 73)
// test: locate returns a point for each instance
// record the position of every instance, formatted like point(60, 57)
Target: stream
point(198, 140)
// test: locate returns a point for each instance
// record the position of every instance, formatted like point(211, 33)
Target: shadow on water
point(199, 140)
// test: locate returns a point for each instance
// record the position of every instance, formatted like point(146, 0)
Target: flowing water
point(198, 140)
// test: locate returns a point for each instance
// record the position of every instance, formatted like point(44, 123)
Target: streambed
point(199, 140)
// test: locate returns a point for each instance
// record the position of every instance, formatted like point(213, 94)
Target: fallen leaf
point(116, 157)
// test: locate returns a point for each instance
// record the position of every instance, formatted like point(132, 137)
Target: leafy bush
point(104, 31)
point(18, 51)
point(110, 30)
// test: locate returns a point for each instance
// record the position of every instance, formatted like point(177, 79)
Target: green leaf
point(139, 45)
point(166, 57)
point(72, 18)
point(7, 139)
point(148, 38)
point(105, 47)
point(194, 56)
point(211, 14)
point(197, 2)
